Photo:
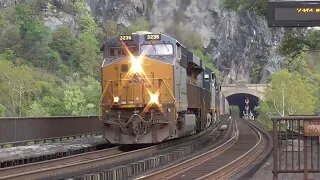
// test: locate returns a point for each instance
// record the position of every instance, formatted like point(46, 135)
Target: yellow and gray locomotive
point(153, 90)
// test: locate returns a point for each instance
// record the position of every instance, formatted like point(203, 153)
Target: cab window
point(157, 49)
point(119, 51)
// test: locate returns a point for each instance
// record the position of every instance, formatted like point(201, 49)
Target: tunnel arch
point(238, 99)
point(235, 91)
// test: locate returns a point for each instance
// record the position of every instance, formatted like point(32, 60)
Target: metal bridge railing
point(21, 129)
point(296, 147)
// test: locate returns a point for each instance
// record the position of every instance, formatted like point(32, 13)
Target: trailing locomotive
point(154, 89)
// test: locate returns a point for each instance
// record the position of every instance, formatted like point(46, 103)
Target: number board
point(311, 128)
point(293, 13)
point(125, 38)
point(151, 37)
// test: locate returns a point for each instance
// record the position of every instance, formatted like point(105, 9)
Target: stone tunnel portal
point(239, 100)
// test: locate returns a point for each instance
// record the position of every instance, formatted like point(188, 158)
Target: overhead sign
point(293, 13)
point(311, 128)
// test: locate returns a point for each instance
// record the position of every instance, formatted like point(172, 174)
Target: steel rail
point(10, 172)
point(50, 139)
point(82, 166)
point(228, 170)
point(225, 172)
point(174, 170)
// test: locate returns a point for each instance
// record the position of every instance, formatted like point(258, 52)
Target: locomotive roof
point(141, 38)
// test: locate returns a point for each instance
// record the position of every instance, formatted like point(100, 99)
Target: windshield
point(119, 51)
point(157, 49)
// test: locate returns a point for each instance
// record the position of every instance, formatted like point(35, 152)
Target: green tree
point(2, 110)
point(231, 4)
point(110, 29)
point(36, 110)
point(32, 28)
point(52, 61)
point(75, 102)
point(313, 39)
point(54, 104)
point(88, 24)
point(10, 39)
point(296, 64)
point(288, 94)
point(86, 54)
point(16, 83)
point(3, 21)
point(292, 43)
point(34, 35)
point(79, 6)
point(63, 40)
point(91, 89)
point(256, 72)
point(21, 85)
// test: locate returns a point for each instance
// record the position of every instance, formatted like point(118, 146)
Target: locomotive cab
point(152, 90)
point(137, 80)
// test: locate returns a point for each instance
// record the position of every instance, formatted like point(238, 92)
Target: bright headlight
point(154, 98)
point(136, 66)
point(116, 99)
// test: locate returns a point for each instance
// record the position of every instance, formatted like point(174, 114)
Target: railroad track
point(85, 163)
point(241, 150)
point(28, 170)
point(50, 151)
point(168, 156)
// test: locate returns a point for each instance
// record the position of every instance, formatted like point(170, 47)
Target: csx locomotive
point(154, 89)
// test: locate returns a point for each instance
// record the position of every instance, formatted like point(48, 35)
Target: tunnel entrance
point(239, 100)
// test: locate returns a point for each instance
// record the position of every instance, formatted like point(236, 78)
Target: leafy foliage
point(288, 94)
point(2, 110)
point(36, 64)
point(110, 29)
point(293, 43)
point(21, 85)
point(86, 54)
point(301, 56)
point(256, 72)
point(62, 42)
point(259, 6)
point(231, 4)
point(3, 21)
point(36, 110)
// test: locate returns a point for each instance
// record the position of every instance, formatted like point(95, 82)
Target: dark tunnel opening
point(239, 100)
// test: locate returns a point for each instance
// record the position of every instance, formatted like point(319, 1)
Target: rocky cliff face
point(241, 44)
point(242, 47)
